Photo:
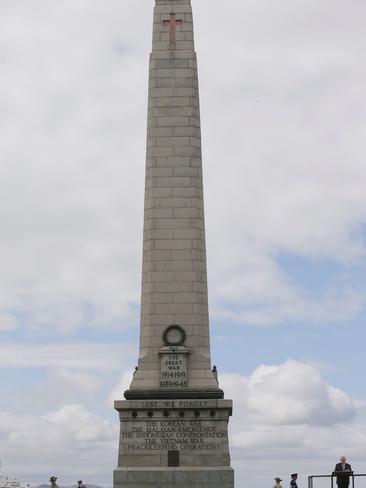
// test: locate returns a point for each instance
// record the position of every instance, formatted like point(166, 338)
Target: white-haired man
point(342, 468)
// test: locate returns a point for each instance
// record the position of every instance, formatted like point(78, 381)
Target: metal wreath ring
point(182, 332)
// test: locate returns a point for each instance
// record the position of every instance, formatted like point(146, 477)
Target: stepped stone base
point(219, 477)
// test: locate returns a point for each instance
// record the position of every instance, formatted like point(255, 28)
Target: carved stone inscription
point(173, 373)
point(175, 434)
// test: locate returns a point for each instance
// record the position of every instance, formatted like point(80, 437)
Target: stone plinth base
point(200, 477)
point(174, 444)
point(173, 433)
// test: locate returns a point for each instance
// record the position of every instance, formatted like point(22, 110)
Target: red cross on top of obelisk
point(173, 27)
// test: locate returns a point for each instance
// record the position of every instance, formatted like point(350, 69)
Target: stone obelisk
point(174, 421)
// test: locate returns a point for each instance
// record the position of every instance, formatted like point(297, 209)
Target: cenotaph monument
point(174, 419)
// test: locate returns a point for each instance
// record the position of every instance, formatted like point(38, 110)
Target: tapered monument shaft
point(174, 280)
point(174, 421)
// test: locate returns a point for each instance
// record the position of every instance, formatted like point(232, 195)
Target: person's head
point(80, 482)
point(53, 479)
point(343, 459)
point(278, 480)
point(294, 476)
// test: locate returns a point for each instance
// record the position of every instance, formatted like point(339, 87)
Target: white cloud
point(74, 355)
point(284, 161)
point(70, 199)
point(72, 425)
point(291, 407)
point(118, 390)
point(68, 441)
point(289, 138)
point(81, 426)
point(289, 416)
point(285, 414)
point(7, 322)
point(259, 292)
point(62, 386)
point(292, 393)
point(81, 381)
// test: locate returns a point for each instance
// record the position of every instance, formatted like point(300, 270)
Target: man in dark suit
point(341, 467)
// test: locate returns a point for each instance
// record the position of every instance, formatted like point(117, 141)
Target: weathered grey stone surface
point(174, 280)
point(150, 430)
point(168, 438)
point(175, 477)
point(153, 428)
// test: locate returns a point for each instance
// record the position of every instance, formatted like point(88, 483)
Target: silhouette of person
point(293, 482)
point(342, 466)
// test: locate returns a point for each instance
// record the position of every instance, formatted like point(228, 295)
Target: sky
point(283, 123)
